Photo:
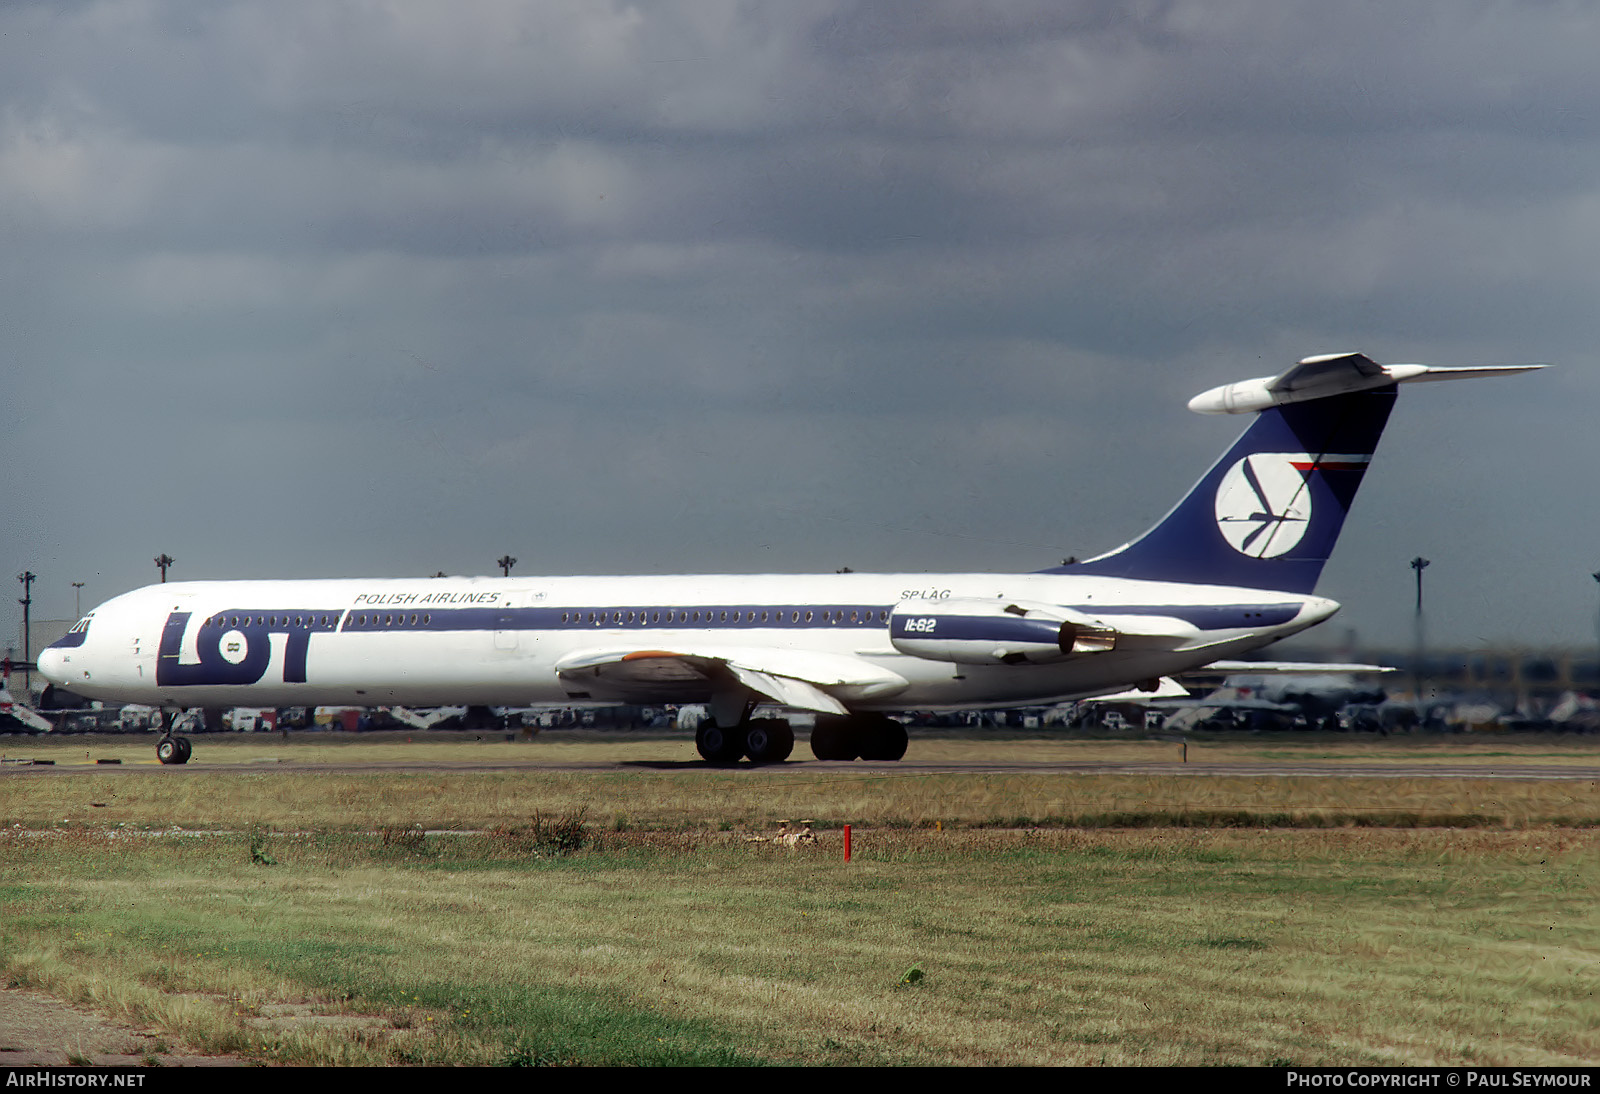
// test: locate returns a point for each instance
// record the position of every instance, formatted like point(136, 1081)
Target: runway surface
point(1263, 770)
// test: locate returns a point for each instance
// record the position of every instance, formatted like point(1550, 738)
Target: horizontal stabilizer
point(1331, 374)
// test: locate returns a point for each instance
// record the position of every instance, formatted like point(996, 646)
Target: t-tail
point(1268, 513)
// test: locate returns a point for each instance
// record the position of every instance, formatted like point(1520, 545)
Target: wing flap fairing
point(804, 679)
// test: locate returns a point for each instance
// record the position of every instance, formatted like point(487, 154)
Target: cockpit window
point(74, 637)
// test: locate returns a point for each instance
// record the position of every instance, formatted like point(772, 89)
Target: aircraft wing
point(1166, 688)
point(24, 714)
point(692, 672)
point(1284, 668)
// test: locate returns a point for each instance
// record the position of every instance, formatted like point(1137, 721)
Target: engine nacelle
point(971, 631)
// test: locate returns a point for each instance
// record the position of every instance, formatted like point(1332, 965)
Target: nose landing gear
point(171, 749)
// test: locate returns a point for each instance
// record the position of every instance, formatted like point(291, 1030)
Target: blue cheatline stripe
point(595, 617)
point(1213, 617)
point(1210, 617)
point(731, 617)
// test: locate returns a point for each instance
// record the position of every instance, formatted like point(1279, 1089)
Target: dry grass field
point(247, 785)
point(986, 918)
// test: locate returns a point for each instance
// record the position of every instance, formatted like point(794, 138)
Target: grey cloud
point(334, 287)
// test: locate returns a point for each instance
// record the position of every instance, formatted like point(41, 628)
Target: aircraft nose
point(52, 666)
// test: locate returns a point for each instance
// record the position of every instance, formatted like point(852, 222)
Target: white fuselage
point(499, 641)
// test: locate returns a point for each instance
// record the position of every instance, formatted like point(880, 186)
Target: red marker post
point(847, 843)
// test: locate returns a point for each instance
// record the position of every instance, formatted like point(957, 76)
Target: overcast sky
point(321, 288)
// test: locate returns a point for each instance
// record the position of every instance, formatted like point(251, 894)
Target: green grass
point(1342, 947)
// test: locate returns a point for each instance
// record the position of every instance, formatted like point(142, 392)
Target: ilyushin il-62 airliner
point(1230, 569)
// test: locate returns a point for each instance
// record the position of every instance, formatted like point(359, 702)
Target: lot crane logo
point(1263, 506)
point(1264, 501)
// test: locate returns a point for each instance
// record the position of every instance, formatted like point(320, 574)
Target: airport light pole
point(1596, 576)
point(27, 577)
point(164, 560)
point(1418, 564)
point(505, 562)
point(77, 600)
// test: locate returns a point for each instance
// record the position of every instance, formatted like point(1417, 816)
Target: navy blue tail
point(1267, 515)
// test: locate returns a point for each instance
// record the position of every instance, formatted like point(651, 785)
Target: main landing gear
point(764, 740)
point(834, 737)
point(171, 749)
point(848, 736)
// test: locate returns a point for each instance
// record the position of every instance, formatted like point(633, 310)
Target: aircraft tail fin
point(1267, 514)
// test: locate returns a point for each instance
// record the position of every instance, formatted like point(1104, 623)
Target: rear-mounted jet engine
point(986, 632)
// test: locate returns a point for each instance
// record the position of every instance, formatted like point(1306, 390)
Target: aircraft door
point(505, 638)
point(144, 649)
point(505, 629)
